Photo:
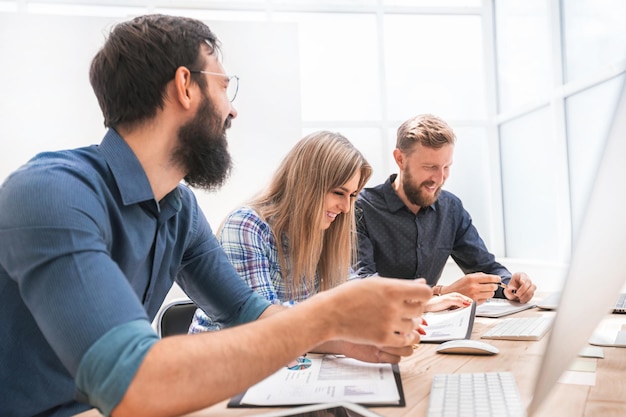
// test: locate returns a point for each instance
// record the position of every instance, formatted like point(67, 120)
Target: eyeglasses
point(233, 82)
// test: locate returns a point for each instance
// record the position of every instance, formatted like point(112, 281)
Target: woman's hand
point(448, 302)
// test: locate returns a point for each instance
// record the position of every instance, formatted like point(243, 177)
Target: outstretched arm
point(181, 374)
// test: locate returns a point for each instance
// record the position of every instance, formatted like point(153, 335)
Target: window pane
point(470, 178)
point(315, 4)
point(594, 35)
point(434, 64)
point(8, 6)
point(433, 3)
point(536, 204)
point(338, 66)
point(59, 4)
point(524, 57)
point(589, 115)
point(85, 10)
point(207, 4)
point(211, 15)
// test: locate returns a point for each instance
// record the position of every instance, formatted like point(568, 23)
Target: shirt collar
point(394, 202)
point(130, 177)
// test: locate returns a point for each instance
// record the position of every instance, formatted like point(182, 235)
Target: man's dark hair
point(131, 70)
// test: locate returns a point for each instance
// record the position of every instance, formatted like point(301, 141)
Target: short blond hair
point(429, 130)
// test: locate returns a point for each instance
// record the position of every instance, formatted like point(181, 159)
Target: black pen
point(503, 285)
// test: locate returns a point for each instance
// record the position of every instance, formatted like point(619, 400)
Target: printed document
point(318, 378)
point(449, 324)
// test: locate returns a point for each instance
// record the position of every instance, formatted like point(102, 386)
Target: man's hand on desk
point(480, 287)
point(477, 286)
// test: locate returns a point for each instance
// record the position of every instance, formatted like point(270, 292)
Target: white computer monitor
point(597, 269)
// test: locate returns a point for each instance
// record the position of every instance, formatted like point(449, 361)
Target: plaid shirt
point(251, 248)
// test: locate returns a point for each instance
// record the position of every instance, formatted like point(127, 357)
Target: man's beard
point(417, 195)
point(202, 148)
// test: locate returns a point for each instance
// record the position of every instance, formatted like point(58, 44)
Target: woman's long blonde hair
point(294, 206)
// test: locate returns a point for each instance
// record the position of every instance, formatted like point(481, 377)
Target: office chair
point(175, 317)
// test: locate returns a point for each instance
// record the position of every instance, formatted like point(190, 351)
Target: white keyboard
point(520, 328)
point(487, 394)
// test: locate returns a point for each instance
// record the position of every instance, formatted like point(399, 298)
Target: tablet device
point(340, 409)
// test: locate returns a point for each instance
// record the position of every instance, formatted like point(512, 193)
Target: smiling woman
point(296, 237)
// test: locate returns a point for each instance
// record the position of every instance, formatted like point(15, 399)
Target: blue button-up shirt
point(396, 243)
point(86, 249)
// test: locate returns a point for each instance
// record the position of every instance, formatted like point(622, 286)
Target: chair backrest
point(175, 318)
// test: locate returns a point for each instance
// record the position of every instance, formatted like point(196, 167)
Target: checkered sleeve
point(250, 245)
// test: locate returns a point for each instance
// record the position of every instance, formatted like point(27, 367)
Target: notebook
point(598, 252)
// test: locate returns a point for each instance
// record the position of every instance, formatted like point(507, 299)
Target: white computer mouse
point(467, 347)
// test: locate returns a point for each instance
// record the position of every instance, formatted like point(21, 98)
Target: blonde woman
point(297, 237)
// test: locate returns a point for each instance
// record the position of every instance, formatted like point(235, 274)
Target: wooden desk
point(607, 398)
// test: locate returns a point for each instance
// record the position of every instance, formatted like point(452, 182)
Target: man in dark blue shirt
point(408, 226)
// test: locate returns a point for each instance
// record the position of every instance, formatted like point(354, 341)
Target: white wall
point(47, 102)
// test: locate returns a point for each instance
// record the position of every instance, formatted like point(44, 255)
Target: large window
point(528, 86)
point(536, 213)
point(557, 88)
point(588, 115)
point(524, 64)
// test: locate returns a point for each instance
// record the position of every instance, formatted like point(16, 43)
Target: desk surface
point(606, 398)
